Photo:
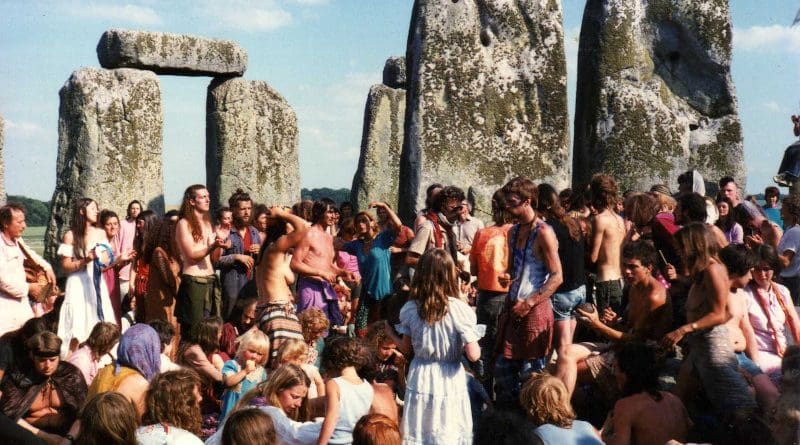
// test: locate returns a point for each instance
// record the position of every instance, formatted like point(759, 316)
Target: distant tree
point(338, 195)
point(36, 212)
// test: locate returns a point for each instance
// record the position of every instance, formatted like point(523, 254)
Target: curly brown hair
point(314, 323)
point(342, 352)
point(376, 335)
point(187, 211)
point(171, 400)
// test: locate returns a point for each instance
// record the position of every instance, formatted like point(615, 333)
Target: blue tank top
point(527, 271)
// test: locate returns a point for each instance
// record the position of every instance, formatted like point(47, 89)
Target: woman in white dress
point(86, 299)
point(438, 328)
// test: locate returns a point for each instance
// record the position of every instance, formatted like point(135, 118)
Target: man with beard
point(236, 263)
point(313, 261)
point(436, 231)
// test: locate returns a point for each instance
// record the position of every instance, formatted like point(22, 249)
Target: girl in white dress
point(438, 328)
point(86, 299)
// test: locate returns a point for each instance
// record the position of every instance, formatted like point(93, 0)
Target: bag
point(35, 274)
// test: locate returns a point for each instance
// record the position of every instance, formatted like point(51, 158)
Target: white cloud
point(571, 37)
point(774, 38)
point(311, 2)
point(246, 15)
point(139, 15)
point(772, 106)
point(23, 129)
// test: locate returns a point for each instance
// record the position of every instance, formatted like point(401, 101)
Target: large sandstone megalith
point(166, 53)
point(655, 95)
point(109, 144)
point(487, 97)
point(2, 163)
point(378, 174)
point(251, 143)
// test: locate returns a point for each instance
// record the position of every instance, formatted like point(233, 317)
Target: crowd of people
point(583, 315)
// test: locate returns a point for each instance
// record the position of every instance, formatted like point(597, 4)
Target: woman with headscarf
point(138, 361)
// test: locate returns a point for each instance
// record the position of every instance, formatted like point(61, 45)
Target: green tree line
point(36, 212)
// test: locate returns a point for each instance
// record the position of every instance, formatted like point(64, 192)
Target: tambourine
point(103, 255)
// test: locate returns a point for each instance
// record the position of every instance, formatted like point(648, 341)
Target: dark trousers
point(489, 305)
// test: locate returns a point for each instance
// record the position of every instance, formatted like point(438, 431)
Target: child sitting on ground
point(391, 364)
point(349, 397)
point(246, 371)
point(295, 352)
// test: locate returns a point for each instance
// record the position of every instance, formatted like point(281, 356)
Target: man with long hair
point(313, 261)
point(198, 295)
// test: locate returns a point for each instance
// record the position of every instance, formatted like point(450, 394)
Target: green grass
point(34, 238)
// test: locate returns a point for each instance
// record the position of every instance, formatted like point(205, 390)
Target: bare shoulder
point(68, 238)
point(656, 290)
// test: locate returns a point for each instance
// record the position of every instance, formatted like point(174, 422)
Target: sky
point(322, 56)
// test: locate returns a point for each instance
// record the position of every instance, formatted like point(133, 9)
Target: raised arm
point(394, 220)
point(290, 240)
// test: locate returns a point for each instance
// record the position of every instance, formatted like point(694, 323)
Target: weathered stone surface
point(251, 143)
point(487, 98)
point(166, 53)
point(655, 95)
point(109, 144)
point(378, 174)
point(394, 72)
point(2, 163)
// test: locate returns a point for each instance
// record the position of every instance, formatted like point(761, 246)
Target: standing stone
point(394, 72)
point(251, 143)
point(165, 53)
point(378, 174)
point(655, 95)
point(109, 145)
point(487, 98)
point(2, 163)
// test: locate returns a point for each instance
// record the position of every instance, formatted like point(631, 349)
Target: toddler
point(246, 370)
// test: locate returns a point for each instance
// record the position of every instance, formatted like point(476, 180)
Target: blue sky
point(322, 55)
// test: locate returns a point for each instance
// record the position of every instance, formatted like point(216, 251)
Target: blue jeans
point(564, 303)
point(510, 375)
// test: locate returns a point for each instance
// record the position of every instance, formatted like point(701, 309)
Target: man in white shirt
point(14, 288)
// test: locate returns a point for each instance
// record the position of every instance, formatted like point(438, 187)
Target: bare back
point(187, 245)
point(641, 419)
point(608, 234)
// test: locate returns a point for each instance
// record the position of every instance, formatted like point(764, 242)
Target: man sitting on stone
point(789, 170)
point(648, 317)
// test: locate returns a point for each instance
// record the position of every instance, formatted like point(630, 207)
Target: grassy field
point(34, 238)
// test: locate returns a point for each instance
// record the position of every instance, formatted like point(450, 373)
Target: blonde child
point(315, 325)
point(295, 352)
point(349, 397)
point(246, 370)
point(390, 366)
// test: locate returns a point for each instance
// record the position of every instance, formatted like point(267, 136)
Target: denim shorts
point(564, 303)
point(748, 365)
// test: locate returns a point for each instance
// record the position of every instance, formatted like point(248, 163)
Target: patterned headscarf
point(140, 349)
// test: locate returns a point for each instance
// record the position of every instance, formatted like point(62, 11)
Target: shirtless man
point(198, 294)
point(608, 232)
point(313, 261)
point(648, 316)
point(710, 356)
point(644, 414)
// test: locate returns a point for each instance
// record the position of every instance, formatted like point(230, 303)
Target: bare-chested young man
point(313, 261)
point(198, 294)
point(273, 277)
point(711, 357)
point(644, 414)
point(608, 233)
point(739, 262)
point(648, 317)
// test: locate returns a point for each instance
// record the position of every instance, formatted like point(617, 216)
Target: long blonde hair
point(434, 281)
point(698, 246)
point(284, 378)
